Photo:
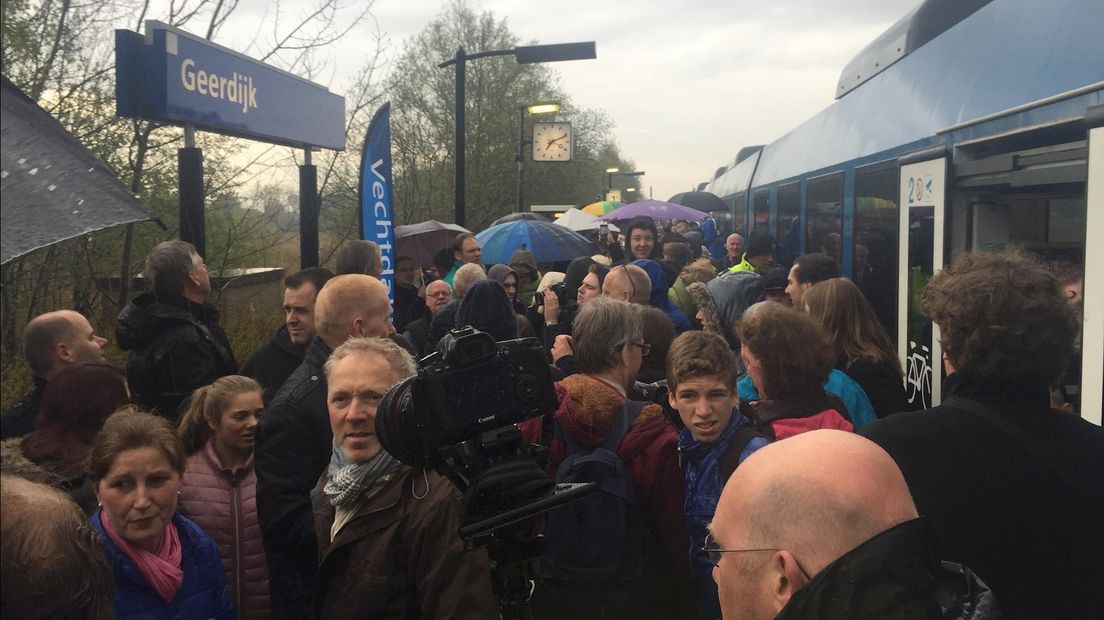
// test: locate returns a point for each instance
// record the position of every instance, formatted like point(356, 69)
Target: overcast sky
point(687, 83)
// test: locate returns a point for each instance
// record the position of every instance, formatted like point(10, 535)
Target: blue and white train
point(968, 124)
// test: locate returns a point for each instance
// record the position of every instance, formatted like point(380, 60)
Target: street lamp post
point(539, 108)
point(614, 172)
point(526, 54)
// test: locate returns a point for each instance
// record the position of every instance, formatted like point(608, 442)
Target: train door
point(922, 196)
point(1035, 190)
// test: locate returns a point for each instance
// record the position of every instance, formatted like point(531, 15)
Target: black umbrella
point(54, 187)
point(513, 217)
point(702, 201)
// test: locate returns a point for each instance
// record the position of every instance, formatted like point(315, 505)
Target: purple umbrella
point(655, 209)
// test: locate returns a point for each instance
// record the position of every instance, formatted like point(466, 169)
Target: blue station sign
point(172, 76)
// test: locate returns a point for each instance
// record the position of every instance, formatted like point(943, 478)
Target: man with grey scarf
point(388, 532)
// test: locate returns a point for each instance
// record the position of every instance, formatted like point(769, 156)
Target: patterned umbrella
point(601, 208)
point(548, 242)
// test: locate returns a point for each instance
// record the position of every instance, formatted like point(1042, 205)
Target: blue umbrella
point(548, 242)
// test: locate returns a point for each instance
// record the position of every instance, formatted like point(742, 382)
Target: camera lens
point(396, 423)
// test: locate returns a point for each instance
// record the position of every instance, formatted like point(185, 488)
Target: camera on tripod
point(458, 415)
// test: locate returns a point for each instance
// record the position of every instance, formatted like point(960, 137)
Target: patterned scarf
point(355, 482)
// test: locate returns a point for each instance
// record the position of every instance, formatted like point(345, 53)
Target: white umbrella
point(579, 221)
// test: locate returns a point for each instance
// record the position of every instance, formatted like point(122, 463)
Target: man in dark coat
point(438, 295)
point(294, 441)
point(172, 333)
point(275, 360)
point(1012, 487)
point(51, 343)
point(821, 525)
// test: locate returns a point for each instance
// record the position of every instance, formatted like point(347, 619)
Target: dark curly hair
point(1002, 317)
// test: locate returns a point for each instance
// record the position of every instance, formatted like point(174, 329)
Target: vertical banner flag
point(376, 197)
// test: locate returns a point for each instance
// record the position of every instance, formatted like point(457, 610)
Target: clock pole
point(461, 142)
point(520, 157)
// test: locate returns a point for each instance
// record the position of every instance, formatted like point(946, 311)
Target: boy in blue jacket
point(701, 376)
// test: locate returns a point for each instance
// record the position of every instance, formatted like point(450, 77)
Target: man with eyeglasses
point(609, 348)
point(438, 295)
point(821, 525)
point(627, 283)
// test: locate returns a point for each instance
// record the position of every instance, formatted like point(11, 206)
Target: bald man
point(294, 440)
point(821, 525)
point(627, 283)
point(51, 343)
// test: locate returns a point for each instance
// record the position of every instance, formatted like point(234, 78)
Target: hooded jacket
point(274, 361)
point(175, 347)
point(723, 301)
point(895, 574)
point(224, 504)
point(499, 273)
point(658, 295)
point(587, 408)
point(487, 309)
point(525, 265)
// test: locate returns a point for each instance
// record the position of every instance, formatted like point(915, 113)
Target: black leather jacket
point(894, 575)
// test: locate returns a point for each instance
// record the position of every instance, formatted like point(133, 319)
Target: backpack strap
point(731, 457)
point(622, 423)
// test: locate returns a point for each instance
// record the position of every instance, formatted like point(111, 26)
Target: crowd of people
point(746, 424)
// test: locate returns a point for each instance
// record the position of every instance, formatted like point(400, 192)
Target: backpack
point(601, 536)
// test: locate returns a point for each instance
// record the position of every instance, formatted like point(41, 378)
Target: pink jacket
point(224, 504)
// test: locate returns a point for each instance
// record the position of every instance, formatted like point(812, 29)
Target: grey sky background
point(687, 84)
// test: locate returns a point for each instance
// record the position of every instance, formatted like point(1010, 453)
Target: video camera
point(458, 415)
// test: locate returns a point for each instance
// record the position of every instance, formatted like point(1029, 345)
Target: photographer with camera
point(387, 531)
point(630, 563)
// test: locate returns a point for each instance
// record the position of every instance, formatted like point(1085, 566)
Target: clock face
point(552, 142)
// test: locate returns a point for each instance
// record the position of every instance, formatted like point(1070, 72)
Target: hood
point(487, 308)
point(499, 272)
point(586, 412)
point(524, 262)
point(658, 275)
point(145, 317)
point(733, 294)
point(576, 271)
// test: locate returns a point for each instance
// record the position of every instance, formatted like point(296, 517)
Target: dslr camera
point(470, 386)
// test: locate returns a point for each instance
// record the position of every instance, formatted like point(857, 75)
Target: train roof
point(1006, 54)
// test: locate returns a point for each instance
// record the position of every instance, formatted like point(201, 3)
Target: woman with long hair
point(164, 565)
point(75, 404)
point(860, 343)
point(219, 491)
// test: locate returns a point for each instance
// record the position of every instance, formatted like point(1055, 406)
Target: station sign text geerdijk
point(172, 76)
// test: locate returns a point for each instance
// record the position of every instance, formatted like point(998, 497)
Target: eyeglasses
point(645, 348)
point(628, 276)
point(713, 551)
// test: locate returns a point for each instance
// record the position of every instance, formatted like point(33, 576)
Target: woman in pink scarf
point(165, 566)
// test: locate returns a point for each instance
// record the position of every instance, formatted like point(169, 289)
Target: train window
point(877, 215)
point(741, 215)
point(824, 216)
point(760, 210)
point(789, 224)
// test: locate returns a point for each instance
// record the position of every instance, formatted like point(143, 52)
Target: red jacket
point(587, 407)
point(224, 504)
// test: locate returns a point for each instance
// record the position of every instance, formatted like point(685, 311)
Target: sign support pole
point(192, 217)
point(308, 212)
